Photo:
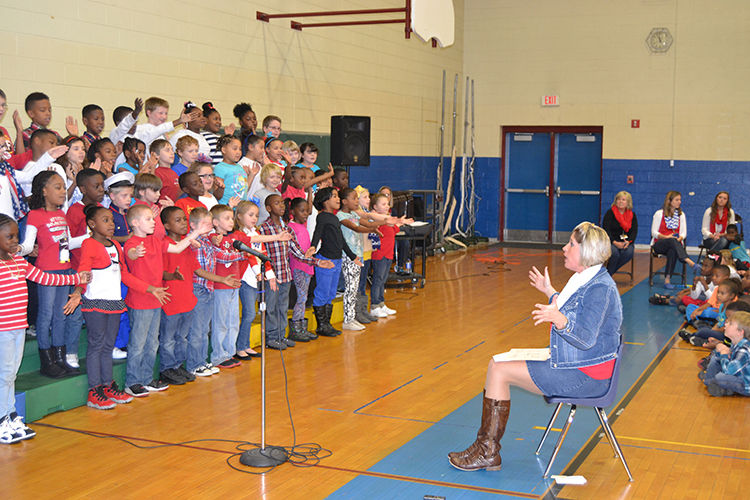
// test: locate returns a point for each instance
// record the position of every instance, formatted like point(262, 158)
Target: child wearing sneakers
point(382, 258)
point(102, 305)
point(728, 370)
point(144, 255)
point(203, 281)
point(14, 271)
point(709, 309)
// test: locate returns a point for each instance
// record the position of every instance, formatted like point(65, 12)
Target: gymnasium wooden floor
point(405, 391)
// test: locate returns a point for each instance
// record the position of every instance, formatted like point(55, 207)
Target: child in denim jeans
point(728, 370)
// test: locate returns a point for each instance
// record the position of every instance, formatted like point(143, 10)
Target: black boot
point(324, 328)
point(360, 310)
point(47, 365)
point(59, 353)
point(296, 333)
point(309, 332)
point(329, 313)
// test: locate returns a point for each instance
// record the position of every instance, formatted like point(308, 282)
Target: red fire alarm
point(635, 124)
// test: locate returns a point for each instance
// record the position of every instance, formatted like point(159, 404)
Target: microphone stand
point(270, 456)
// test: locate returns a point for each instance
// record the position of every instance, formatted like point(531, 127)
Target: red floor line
point(330, 467)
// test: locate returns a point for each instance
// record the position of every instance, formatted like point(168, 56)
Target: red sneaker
point(98, 400)
point(115, 394)
point(229, 363)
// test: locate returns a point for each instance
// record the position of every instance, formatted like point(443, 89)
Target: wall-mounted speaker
point(350, 141)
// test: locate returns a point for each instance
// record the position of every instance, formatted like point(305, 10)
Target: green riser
point(45, 395)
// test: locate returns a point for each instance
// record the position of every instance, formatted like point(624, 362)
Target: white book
point(541, 354)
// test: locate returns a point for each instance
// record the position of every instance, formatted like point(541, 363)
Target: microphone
point(238, 245)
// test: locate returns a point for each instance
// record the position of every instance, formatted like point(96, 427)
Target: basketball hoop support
point(405, 10)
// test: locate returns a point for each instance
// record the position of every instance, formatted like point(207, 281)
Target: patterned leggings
point(301, 283)
point(350, 270)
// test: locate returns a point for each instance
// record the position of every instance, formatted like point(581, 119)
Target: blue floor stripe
point(424, 457)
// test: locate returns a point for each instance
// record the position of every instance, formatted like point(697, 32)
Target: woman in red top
point(48, 229)
point(716, 218)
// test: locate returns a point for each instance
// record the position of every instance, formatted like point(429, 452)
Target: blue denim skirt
point(565, 382)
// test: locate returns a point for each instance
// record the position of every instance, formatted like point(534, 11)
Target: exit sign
point(550, 100)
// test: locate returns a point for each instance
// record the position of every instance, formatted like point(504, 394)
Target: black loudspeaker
point(350, 141)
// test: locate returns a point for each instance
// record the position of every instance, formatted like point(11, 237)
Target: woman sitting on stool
point(621, 225)
point(584, 339)
point(716, 218)
point(668, 231)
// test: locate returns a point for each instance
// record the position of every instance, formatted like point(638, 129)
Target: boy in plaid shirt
point(277, 302)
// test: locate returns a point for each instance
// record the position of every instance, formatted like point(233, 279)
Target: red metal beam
point(299, 26)
point(262, 16)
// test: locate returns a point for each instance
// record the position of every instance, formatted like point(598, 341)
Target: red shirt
point(20, 161)
point(148, 268)
point(187, 204)
point(228, 268)
point(170, 184)
point(292, 192)
point(183, 298)
point(77, 226)
point(52, 238)
point(387, 242)
point(159, 230)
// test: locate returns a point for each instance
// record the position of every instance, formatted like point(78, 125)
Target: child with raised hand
point(301, 272)
point(134, 152)
point(125, 120)
point(211, 188)
point(353, 228)
point(204, 278)
point(104, 151)
point(212, 129)
point(93, 119)
point(728, 370)
point(14, 271)
point(252, 161)
point(277, 302)
point(46, 227)
point(292, 151)
point(103, 304)
point(229, 171)
point(177, 314)
point(11, 149)
point(192, 129)
point(328, 233)
point(44, 152)
point(245, 222)
point(192, 185)
point(187, 150)
point(382, 258)
point(72, 163)
point(144, 255)
point(275, 153)
point(157, 126)
point(248, 123)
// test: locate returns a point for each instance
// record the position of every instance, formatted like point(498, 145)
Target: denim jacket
point(592, 335)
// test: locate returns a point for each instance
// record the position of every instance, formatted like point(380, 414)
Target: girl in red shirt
point(57, 333)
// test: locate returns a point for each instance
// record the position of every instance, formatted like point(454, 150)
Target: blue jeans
point(723, 380)
point(277, 305)
point(225, 324)
point(326, 281)
point(142, 345)
point(53, 327)
point(124, 330)
point(380, 269)
point(716, 245)
point(248, 295)
point(11, 354)
point(363, 272)
point(708, 313)
point(173, 332)
point(101, 330)
point(619, 258)
point(197, 339)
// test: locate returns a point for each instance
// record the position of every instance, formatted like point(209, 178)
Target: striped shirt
point(14, 295)
point(211, 139)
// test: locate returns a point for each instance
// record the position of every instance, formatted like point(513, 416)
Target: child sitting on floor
point(738, 249)
point(707, 336)
point(708, 310)
point(728, 371)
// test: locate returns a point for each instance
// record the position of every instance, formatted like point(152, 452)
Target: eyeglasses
point(207, 176)
point(4, 105)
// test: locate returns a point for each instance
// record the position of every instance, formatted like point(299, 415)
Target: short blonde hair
point(626, 195)
point(185, 141)
point(290, 146)
point(742, 320)
point(268, 170)
point(595, 244)
point(155, 102)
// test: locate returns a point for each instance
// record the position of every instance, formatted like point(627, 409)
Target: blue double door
point(552, 182)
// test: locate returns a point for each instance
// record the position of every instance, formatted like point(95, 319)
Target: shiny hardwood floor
point(679, 442)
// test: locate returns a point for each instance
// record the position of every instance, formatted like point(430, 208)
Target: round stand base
point(268, 457)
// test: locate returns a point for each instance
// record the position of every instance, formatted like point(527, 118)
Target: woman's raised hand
point(541, 281)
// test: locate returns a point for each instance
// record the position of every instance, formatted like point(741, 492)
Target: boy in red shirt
point(192, 185)
point(226, 314)
point(170, 187)
point(144, 256)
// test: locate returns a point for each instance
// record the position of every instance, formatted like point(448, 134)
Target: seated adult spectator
point(716, 219)
point(668, 231)
point(621, 225)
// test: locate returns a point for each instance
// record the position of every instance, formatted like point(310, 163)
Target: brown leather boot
point(484, 453)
